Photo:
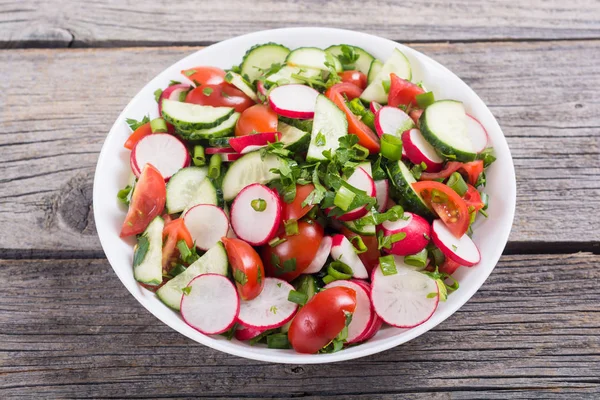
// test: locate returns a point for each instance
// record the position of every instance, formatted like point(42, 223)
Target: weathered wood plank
point(53, 122)
point(69, 329)
point(114, 22)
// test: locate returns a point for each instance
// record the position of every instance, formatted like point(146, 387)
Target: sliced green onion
point(343, 198)
point(359, 245)
point(276, 241)
point(369, 119)
point(388, 265)
point(176, 270)
point(199, 158)
point(158, 125)
point(297, 297)
point(291, 227)
point(418, 260)
point(124, 194)
point(457, 183)
point(214, 166)
point(357, 107)
point(339, 271)
point(425, 99)
point(396, 237)
point(184, 250)
point(157, 94)
point(278, 341)
point(386, 86)
point(259, 205)
point(436, 255)
point(391, 147)
point(361, 152)
point(187, 290)
point(485, 199)
point(485, 214)
point(328, 279)
point(182, 95)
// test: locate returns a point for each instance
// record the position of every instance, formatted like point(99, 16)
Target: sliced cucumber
point(293, 139)
point(402, 180)
point(284, 75)
point(147, 255)
point(399, 65)
point(182, 186)
point(444, 126)
point(374, 70)
point(187, 116)
point(329, 125)
point(205, 193)
point(226, 128)
point(249, 169)
point(302, 124)
point(366, 230)
point(363, 63)
point(214, 261)
point(260, 57)
point(312, 57)
point(219, 142)
point(239, 82)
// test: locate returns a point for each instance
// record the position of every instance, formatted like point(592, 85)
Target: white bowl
point(490, 234)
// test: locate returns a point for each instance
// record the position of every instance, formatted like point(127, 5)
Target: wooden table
point(68, 328)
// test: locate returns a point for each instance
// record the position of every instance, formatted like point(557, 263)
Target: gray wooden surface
point(69, 329)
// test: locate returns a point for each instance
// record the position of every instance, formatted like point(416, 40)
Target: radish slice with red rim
point(219, 150)
point(260, 88)
point(271, 308)
point(382, 194)
point(248, 143)
point(361, 318)
point(374, 107)
point(393, 121)
point(477, 133)
point(417, 230)
point(418, 150)
point(294, 101)
point(343, 250)
point(230, 157)
point(256, 214)
point(401, 299)
point(460, 250)
point(210, 304)
point(321, 257)
point(173, 92)
point(243, 333)
point(207, 224)
point(361, 180)
point(374, 326)
point(165, 152)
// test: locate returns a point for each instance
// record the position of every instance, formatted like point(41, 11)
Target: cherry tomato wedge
point(321, 319)
point(247, 267)
point(366, 137)
point(295, 210)
point(473, 169)
point(256, 119)
point(288, 259)
point(147, 201)
point(355, 77)
point(205, 75)
point(137, 135)
point(473, 199)
point(415, 115)
point(448, 205)
point(173, 232)
point(448, 266)
point(402, 92)
point(223, 95)
point(370, 257)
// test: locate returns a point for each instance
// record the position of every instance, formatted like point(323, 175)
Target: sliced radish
point(248, 143)
point(219, 150)
point(260, 87)
point(321, 257)
point(173, 92)
point(365, 285)
point(294, 101)
point(392, 120)
point(361, 318)
point(165, 152)
point(256, 214)
point(374, 107)
point(243, 333)
point(212, 304)
point(382, 194)
point(477, 133)
point(374, 326)
point(207, 224)
point(230, 157)
point(402, 299)
point(417, 232)
point(462, 251)
point(271, 308)
point(361, 180)
point(343, 250)
point(418, 150)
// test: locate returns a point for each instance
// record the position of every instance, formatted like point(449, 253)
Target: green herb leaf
point(348, 57)
point(141, 249)
point(157, 94)
point(189, 72)
point(124, 195)
point(134, 124)
point(320, 140)
point(240, 277)
point(273, 309)
point(172, 82)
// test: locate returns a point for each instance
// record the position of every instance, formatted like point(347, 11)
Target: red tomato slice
point(355, 77)
point(473, 169)
point(473, 199)
point(448, 205)
point(247, 267)
point(223, 95)
point(137, 135)
point(321, 319)
point(147, 201)
point(256, 119)
point(448, 267)
point(366, 137)
point(205, 75)
point(370, 257)
point(402, 92)
point(173, 232)
point(294, 210)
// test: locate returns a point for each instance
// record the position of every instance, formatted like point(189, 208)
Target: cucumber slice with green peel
point(399, 65)
point(312, 57)
point(219, 141)
point(444, 126)
point(226, 128)
point(293, 139)
point(284, 75)
point(250, 168)
point(329, 125)
point(239, 82)
point(402, 180)
point(261, 57)
point(362, 63)
point(182, 187)
point(205, 193)
point(374, 70)
point(147, 255)
point(214, 261)
point(187, 116)
point(365, 230)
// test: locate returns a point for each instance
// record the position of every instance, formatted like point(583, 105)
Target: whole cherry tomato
point(256, 119)
point(355, 77)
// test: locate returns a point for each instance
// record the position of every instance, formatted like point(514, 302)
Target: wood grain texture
point(113, 22)
point(69, 329)
point(58, 105)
